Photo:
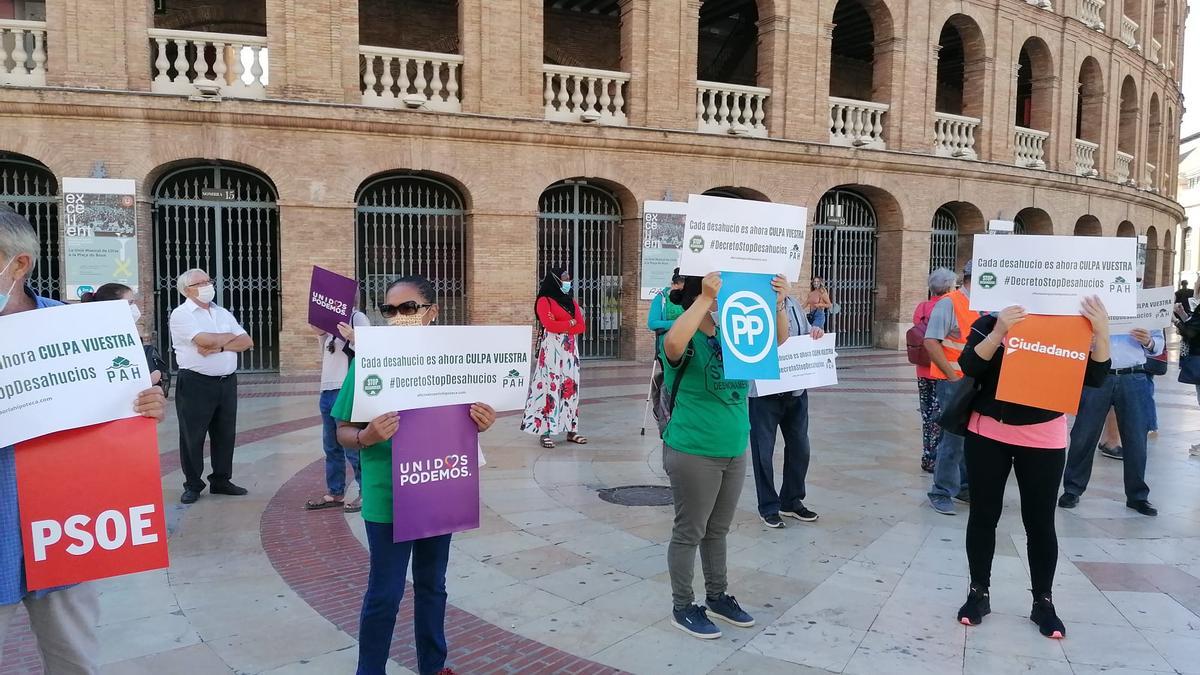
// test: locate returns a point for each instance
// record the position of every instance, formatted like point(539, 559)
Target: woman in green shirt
point(409, 301)
point(704, 454)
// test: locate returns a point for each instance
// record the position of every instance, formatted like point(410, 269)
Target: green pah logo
point(122, 370)
point(372, 385)
point(513, 380)
point(696, 243)
point(987, 280)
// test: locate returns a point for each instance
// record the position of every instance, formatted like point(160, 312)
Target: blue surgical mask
point(566, 287)
point(7, 294)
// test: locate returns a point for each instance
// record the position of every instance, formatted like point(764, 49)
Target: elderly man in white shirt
point(207, 340)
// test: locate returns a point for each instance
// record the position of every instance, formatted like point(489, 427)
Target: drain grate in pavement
point(637, 495)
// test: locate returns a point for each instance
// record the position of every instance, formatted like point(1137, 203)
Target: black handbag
point(1189, 369)
point(957, 411)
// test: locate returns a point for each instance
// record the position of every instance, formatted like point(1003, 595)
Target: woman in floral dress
point(553, 406)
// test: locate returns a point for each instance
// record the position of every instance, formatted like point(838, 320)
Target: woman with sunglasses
point(336, 353)
point(115, 291)
point(553, 404)
point(409, 301)
point(704, 454)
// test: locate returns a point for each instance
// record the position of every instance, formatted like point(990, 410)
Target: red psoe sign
point(91, 503)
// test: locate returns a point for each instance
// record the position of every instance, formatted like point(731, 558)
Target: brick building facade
point(449, 135)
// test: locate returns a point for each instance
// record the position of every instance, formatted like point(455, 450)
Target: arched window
point(959, 102)
point(728, 96)
point(1127, 131)
point(860, 73)
point(1089, 116)
point(1088, 226)
point(1032, 220)
point(1154, 157)
point(1035, 75)
point(412, 224)
point(30, 189)
point(1132, 27)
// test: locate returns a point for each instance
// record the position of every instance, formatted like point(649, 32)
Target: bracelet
point(358, 439)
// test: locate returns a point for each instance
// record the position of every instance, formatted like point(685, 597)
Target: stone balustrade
point(954, 135)
point(189, 63)
point(585, 95)
point(1031, 147)
point(857, 123)
point(404, 78)
point(23, 53)
point(1085, 157)
point(723, 108)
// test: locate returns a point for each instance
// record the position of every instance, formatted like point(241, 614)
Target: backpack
point(914, 338)
point(664, 399)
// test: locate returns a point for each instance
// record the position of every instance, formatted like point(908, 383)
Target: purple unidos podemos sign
point(435, 473)
point(330, 299)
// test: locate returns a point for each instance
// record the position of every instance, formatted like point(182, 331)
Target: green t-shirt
point(376, 461)
point(671, 311)
point(711, 416)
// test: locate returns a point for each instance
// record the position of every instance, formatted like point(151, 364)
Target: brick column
point(502, 52)
point(806, 96)
point(98, 44)
point(773, 69)
point(902, 258)
point(980, 76)
point(901, 132)
point(501, 264)
point(313, 50)
point(301, 224)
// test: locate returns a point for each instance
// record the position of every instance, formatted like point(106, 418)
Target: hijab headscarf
point(552, 288)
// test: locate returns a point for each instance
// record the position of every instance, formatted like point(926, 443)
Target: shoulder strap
point(687, 357)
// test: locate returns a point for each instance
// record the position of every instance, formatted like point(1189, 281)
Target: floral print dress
point(553, 406)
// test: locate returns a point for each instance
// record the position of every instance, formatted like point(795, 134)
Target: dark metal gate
point(579, 226)
point(943, 242)
point(412, 225)
point(223, 220)
point(32, 191)
point(844, 235)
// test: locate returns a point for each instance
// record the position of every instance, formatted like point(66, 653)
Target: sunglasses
point(403, 309)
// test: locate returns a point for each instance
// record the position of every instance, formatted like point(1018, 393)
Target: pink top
point(1050, 435)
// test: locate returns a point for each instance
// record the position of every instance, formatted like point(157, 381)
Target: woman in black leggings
point(1032, 442)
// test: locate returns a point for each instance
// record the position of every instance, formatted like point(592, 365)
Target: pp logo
point(746, 319)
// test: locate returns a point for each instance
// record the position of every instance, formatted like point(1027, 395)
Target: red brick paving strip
point(334, 585)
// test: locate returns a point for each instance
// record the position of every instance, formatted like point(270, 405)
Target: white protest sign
point(1050, 274)
point(804, 363)
point(68, 367)
point(1001, 226)
point(404, 368)
point(742, 235)
point(1154, 307)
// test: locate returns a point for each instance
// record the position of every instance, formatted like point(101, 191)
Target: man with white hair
point(64, 619)
point(207, 340)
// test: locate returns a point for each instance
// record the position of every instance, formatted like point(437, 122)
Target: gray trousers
point(64, 623)
point(706, 491)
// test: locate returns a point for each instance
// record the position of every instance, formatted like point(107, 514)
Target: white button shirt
point(189, 320)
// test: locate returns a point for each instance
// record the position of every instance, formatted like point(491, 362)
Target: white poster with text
point(741, 235)
point(1051, 274)
point(1154, 306)
point(405, 368)
point(67, 367)
point(804, 363)
point(662, 237)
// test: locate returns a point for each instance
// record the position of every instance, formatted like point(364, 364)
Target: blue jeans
point(385, 589)
point(767, 415)
point(1151, 406)
point(817, 317)
point(1127, 395)
point(335, 455)
point(949, 472)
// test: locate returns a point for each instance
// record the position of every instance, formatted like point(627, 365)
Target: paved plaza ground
point(558, 581)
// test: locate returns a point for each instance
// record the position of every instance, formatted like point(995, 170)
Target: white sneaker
point(1195, 451)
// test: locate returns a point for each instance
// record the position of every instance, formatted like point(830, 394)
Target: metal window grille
point(32, 191)
point(943, 243)
point(579, 226)
point(224, 220)
point(410, 224)
point(844, 246)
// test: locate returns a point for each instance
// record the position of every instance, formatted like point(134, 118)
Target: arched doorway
point(1088, 226)
point(1126, 229)
point(412, 224)
point(1032, 220)
point(943, 241)
point(958, 106)
point(843, 254)
point(31, 190)
point(1150, 275)
point(579, 226)
point(737, 193)
point(223, 219)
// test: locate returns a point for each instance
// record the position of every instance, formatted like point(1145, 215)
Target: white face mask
point(135, 311)
point(205, 294)
point(7, 294)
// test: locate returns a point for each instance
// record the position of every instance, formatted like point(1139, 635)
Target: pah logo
point(372, 385)
point(746, 319)
point(122, 370)
point(1119, 285)
point(513, 380)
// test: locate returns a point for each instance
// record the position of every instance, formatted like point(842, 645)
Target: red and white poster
point(1044, 362)
point(91, 503)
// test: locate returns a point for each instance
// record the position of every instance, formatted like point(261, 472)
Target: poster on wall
point(99, 222)
point(1141, 258)
point(662, 237)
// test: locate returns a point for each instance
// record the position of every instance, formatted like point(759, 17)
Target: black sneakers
point(1046, 618)
point(772, 520)
point(801, 513)
point(1068, 501)
point(977, 606)
point(1142, 506)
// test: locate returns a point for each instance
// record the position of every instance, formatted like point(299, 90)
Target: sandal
point(354, 506)
point(577, 439)
point(325, 502)
point(548, 443)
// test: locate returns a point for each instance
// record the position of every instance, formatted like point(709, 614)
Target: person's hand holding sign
point(380, 429)
point(347, 332)
point(483, 415)
point(1097, 314)
point(816, 333)
point(1143, 337)
point(782, 289)
point(712, 286)
point(152, 402)
point(1008, 317)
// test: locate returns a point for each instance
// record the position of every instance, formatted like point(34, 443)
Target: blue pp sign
point(746, 307)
